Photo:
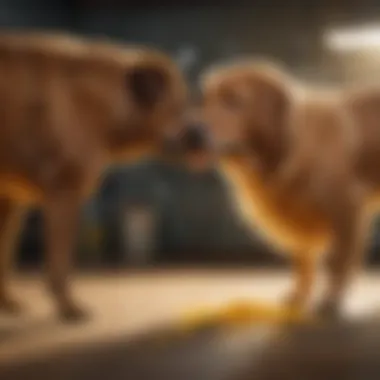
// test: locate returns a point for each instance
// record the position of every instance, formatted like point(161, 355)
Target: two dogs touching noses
point(303, 167)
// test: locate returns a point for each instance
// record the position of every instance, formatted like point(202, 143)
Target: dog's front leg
point(61, 219)
point(304, 268)
point(347, 251)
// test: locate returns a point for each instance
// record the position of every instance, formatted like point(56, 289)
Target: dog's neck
point(268, 155)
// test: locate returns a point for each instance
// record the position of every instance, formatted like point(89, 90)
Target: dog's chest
point(17, 189)
point(286, 219)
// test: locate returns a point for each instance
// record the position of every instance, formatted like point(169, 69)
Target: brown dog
point(69, 108)
point(303, 164)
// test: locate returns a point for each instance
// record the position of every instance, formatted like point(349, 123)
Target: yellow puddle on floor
point(242, 313)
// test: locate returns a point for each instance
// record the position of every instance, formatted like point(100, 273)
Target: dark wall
point(42, 14)
point(198, 36)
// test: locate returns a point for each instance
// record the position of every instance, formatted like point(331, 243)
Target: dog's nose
point(194, 137)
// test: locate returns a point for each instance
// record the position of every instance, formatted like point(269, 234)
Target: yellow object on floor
point(243, 314)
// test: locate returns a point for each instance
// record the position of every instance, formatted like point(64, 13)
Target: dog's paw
point(9, 305)
point(328, 310)
point(73, 314)
point(294, 300)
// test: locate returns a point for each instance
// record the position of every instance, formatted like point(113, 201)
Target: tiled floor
point(130, 303)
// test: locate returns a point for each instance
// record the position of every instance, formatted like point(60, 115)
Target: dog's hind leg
point(62, 213)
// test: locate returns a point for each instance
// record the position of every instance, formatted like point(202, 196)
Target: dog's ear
point(272, 101)
point(147, 84)
point(269, 117)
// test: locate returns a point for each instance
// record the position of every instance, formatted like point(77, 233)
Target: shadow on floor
point(339, 351)
point(14, 328)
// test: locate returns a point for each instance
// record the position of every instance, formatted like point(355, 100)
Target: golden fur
point(306, 171)
point(70, 107)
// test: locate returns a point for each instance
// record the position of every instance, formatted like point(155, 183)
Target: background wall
point(195, 220)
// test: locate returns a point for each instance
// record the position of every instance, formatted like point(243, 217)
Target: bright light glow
point(355, 38)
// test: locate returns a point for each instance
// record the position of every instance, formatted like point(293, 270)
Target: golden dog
point(69, 108)
point(303, 165)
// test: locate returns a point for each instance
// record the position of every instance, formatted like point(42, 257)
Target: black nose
point(194, 137)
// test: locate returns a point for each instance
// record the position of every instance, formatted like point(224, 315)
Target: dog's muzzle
point(193, 138)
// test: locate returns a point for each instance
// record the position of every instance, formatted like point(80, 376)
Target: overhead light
point(354, 38)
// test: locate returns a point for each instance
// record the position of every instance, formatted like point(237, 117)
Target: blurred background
point(151, 213)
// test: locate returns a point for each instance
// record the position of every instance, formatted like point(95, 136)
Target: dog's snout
point(192, 138)
point(195, 137)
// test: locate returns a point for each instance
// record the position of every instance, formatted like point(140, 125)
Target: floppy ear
point(273, 102)
point(147, 84)
point(268, 120)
